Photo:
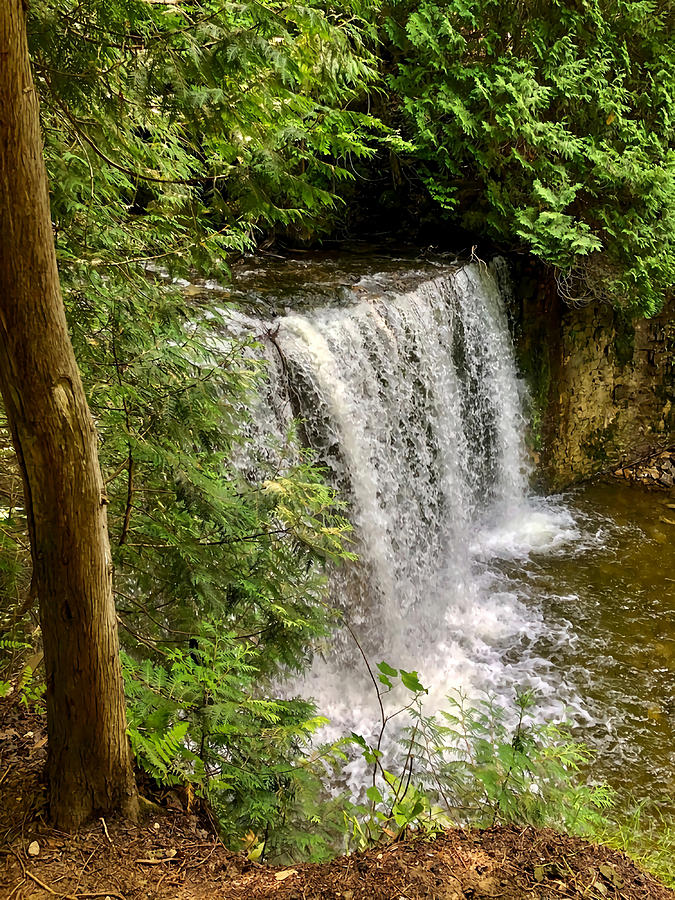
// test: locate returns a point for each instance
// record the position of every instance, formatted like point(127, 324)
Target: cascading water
point(409, 394)
point(413, 402)
point(404, 379)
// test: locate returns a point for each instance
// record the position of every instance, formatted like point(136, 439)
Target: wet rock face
point(656, 471)
point(609, 396)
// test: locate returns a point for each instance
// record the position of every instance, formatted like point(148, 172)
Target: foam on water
point(535, 525)
point(413, 402)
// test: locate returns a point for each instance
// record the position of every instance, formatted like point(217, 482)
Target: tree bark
point(89, 759)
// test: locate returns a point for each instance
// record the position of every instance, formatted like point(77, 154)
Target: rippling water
point(613, 593)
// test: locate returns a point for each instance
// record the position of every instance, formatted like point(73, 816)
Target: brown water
point(615, 593)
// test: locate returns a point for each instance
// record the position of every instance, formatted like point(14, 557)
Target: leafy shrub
point(198, 720)
point(548, 127)
point(475, 765)
point(497, 769)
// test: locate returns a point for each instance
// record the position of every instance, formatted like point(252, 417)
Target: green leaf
point(412, 682)
point(386, 669)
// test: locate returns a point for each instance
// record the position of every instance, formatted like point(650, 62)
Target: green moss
point(598, 445)
point(535, 368)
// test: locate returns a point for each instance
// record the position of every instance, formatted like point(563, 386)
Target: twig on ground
point(45, 887)
point(81, 873)
point(105, 829)
point(16, 888)
point(156, 862)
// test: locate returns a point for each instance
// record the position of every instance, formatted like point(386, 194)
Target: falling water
point(405, 382)
point(413, 402)
point(408, 391)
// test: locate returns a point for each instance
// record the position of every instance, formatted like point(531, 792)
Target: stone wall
point(603, 384)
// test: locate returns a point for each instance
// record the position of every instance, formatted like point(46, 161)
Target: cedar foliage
point(177, 134)
point(548, 127)
point(182, 134)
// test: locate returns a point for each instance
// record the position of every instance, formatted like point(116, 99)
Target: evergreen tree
point(175, 136)
point(548, 127)
point(89, 762)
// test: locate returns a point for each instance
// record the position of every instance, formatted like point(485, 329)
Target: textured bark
point(89, 765)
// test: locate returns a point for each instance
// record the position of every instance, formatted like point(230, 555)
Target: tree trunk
point(89, 763)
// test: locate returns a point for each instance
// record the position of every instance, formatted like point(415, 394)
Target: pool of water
point(612, 592)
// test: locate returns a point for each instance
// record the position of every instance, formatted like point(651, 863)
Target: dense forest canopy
point(188, 131)
point(179, 135)
point(548, 126)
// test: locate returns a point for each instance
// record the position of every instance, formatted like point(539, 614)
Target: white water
point(413, 401)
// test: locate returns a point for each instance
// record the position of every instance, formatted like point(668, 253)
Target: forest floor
point(173, 855)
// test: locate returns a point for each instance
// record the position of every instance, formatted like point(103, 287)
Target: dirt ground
point(176, 856)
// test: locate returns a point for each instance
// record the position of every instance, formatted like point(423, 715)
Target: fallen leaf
point(256, 852)
point(281, 876)
point(612, 875)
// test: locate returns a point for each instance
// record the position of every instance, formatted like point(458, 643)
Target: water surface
point(613, 593)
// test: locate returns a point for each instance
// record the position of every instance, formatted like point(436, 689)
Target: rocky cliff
point(602, 385)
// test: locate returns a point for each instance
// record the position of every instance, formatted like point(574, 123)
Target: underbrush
point(202, 732)
point(478, 765)
point(258, 764)
point(645, 834)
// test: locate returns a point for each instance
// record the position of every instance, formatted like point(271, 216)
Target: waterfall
point(413, 402)
point(408, 391)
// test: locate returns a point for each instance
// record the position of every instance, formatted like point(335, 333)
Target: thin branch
point(142, 176)
point(130, 495)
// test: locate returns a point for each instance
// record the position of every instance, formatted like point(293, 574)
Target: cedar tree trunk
point(89, 764)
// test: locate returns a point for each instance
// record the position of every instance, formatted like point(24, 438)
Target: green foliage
point(176, 137)
point(182, 134)
point(181, 131)
point(548, 126)
point(10, 679)
point(498, 770)
point(17, 673)
point(646, 835)
point(477, 766)
point(205, 719)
